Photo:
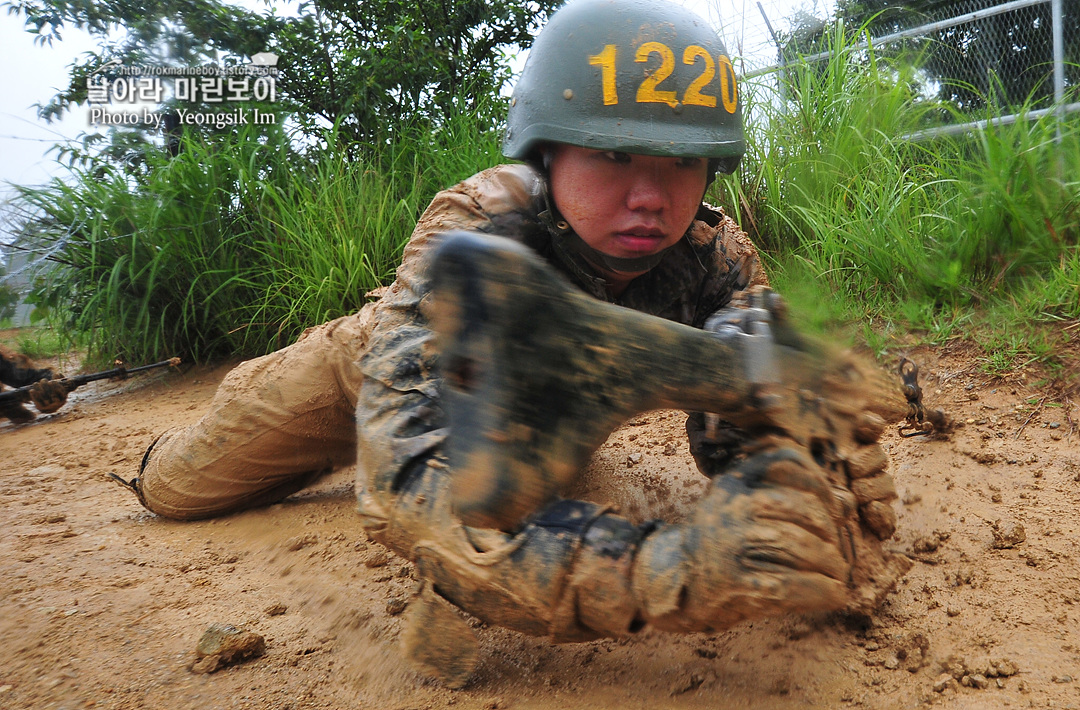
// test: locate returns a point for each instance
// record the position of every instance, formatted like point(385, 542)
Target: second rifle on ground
point(22, 394)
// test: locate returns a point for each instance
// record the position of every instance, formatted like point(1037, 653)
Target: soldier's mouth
point(640, 241)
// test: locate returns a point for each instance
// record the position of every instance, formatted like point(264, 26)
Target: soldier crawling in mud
point(623, 115)
point(16, 370)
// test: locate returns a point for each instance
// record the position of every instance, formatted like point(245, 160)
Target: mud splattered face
point(626, 205)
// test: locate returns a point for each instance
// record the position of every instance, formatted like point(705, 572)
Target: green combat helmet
point(637, 76)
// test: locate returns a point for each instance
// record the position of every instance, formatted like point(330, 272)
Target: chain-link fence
point(751, 28)
point(974, 54)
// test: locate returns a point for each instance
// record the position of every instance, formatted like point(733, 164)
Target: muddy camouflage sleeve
point(16, 370)
point(731, 261)
point(400, 425)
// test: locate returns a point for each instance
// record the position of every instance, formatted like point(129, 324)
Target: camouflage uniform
point(279, 420)
point(784, 533)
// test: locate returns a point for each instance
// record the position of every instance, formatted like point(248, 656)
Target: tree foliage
point(369, 66)
point(143, 32)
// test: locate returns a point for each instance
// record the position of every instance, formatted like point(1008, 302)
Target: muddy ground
point(102, 604)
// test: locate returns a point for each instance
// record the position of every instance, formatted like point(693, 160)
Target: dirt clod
point(929, 543)
point(1005, 667)
point(377, 558)
point(301, 541)
point(686, 682)
point(944, 682)
point(976, 672)
point(1007, 534)
point(914, 652)
point(222, 645)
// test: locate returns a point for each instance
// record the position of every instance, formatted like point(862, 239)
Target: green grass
point(972, 237)
point(238, 243)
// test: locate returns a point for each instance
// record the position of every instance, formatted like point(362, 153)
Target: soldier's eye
point(617, 156)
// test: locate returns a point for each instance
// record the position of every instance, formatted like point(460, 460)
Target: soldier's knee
point(169, 485)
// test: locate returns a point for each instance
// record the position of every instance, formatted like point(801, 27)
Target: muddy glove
point(869, 478)
point(856, 399)
point(717, 445)
point(48, 395)
point(770, 538)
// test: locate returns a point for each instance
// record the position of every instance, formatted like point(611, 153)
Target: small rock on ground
point(222, 645)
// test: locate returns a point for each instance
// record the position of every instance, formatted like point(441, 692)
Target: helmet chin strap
point(624, 265)
point(560, 229)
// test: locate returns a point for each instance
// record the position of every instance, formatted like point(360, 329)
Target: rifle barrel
point(22, 394)
point(122, 372)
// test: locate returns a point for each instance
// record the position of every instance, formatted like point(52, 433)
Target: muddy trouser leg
point(275, 424)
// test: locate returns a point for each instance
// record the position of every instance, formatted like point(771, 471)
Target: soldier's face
point(626, 205)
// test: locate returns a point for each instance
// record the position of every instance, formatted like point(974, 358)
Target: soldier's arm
point(17, 370)
point(771, 540)
point(400, 424)
point(733, 265)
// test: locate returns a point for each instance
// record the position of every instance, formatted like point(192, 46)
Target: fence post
point(1059, 62)
point(780, 56)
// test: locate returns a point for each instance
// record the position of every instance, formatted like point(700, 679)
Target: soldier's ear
point(540, 158)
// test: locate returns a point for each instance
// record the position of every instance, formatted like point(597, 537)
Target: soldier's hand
point(758, 303)
point(16, 412)
point(859, 514)
point(48, 395)
point(769, 538)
